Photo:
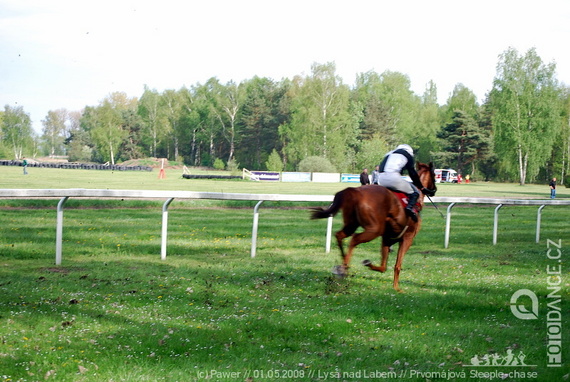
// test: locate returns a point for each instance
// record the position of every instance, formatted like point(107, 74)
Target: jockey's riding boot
point(412, 200)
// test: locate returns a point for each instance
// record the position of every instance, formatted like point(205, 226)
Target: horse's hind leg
point(345, 232)
point(340, 236)
point(384, 250)
point(363, 237)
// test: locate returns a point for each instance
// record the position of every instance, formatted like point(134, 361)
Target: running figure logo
point(510, 359)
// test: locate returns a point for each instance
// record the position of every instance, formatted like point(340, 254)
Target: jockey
point(391, 168)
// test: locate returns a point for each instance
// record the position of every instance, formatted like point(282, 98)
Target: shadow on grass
point(125, 314)
point(239, 314)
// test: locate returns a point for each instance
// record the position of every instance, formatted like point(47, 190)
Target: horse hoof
point(367, 263)
point(339, 271)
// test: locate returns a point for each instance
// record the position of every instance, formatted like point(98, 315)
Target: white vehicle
point(445, 175)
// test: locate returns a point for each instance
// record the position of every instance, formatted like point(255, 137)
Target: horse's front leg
point(402, 249)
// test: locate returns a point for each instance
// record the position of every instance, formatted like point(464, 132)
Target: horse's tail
point(332, 210)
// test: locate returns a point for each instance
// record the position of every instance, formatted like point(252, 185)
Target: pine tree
point(464, 142)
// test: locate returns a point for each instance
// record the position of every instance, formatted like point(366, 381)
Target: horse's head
point(427, 175)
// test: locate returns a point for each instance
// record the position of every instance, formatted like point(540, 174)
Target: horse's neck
point(422, 196)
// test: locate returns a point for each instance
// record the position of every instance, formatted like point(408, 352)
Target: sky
point(70, 54)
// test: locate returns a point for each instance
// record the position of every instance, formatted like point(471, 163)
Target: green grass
point(40, 178)
point(115, 312)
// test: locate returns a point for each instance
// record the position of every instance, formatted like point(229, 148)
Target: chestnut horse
point(380, 213)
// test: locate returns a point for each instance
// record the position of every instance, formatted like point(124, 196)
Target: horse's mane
point(422, 166)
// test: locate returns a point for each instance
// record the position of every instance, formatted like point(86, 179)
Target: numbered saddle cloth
point(404, 200)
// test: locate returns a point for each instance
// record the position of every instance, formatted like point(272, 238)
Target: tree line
point(520, 132)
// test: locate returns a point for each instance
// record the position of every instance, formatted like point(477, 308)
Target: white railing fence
point(65, 194)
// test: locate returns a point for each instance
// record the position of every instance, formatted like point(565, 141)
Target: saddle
point(403, 198)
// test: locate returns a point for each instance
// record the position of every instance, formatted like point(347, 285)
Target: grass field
point(115, 312)
point(45, 178)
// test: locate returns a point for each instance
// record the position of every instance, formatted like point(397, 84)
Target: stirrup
point(410, 212)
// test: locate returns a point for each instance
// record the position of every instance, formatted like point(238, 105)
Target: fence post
point(59, 230)
point(164, 228)
point(448, 225)
point(538, 219)
point(329, 234)
point(496, 224)
point(254, 229)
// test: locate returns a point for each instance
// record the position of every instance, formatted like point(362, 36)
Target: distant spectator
point(376, 175)
point(25, 165)
point(552, 185)
point(467, 178)
point(364, 179)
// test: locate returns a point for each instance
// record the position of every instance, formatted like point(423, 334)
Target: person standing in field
point(25, 165)
point(552, 186)
point(364, 179)
point(376, 175)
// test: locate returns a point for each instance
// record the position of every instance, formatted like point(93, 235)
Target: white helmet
point(406, 147)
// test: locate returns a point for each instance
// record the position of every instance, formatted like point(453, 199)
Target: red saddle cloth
point(404, 200)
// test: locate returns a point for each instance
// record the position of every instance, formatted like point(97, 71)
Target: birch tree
point(403, 107)
point(16, 129)
point(172, 106)
point(230, 101)
point(154, 127)
point(106, 124)
point(429, 120)
point(54, 130)
point(322, 123)
point(389, 107)
point(376, 113)
point(526, 112)
point(207, 107)
point(562, 164)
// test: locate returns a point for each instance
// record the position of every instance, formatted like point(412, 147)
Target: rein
point(431, 201)
point(435, 206)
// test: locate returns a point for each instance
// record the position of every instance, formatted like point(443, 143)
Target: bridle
point(435, 188)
